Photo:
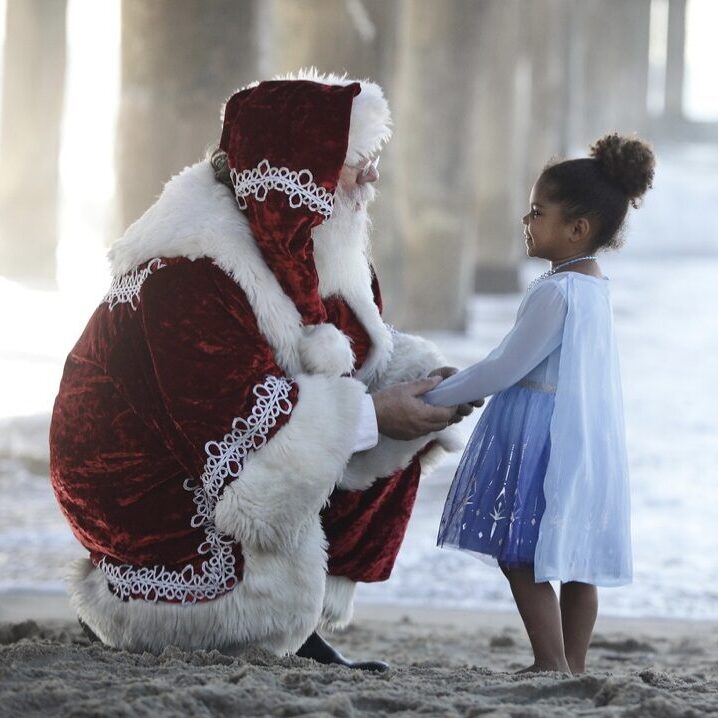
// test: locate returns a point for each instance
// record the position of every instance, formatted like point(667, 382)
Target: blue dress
point(543, 481)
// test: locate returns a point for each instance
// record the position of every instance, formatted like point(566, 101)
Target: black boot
point(316, 648)
point(88, 631)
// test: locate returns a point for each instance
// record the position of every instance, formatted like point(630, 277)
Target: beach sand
point(444, 663)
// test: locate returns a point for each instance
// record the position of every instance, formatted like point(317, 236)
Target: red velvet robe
point(164, 381)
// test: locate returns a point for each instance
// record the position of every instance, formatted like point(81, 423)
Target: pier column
point(180, 61)
point(437, 68)
point(32, 103)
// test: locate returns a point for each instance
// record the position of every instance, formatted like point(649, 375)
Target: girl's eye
point(535, 213)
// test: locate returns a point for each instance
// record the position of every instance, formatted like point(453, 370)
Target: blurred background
point(103, 100)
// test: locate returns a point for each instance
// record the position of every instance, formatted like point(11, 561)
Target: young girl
point(543, 484)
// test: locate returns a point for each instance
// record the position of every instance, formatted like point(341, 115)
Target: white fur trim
point(343, 270)
point(338, 606)
point(276, 605)
point(446, 442)
point(370, 123)
point(195, 217)
point(323, 349)
point(286, 483)
point(388, 456)
point(412, 358)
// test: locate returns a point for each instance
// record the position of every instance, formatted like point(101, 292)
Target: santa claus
point(238, 438)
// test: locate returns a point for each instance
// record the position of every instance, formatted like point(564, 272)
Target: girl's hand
point(462, 410)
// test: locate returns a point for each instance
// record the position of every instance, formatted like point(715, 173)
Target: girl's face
point(546, 233)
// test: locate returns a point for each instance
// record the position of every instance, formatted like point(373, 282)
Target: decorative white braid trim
point(224, 458)
point(125, 289)
point(299, 186)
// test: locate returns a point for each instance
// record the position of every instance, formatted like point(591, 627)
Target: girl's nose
point(369, 174)
point(525, 219)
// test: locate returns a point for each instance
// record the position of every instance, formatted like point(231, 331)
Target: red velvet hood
point(196, 217)
point(286, 142)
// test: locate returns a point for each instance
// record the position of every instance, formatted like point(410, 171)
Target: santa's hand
point(401, 413)
point(462, 410)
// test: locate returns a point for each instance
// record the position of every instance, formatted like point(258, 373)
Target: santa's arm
point(272, 446)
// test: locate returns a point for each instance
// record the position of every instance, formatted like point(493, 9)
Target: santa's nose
point(369, 174)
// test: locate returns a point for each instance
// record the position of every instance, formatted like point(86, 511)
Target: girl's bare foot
point(533, 668)
point(549, 668)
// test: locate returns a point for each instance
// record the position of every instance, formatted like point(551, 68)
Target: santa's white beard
point(342, 251)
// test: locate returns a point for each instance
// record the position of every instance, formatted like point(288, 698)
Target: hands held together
point(402, 414)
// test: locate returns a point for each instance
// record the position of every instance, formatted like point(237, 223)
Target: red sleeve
point(197, 366)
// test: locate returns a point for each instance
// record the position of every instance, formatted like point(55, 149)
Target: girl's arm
point(537, 332)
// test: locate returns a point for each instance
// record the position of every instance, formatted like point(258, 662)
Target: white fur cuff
point(412, 358)
point(284, 484)
point(388, 456)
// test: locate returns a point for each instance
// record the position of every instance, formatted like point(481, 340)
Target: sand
point(443, 664)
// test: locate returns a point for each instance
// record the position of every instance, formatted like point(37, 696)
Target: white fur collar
point(343, 270)
point(196, 216)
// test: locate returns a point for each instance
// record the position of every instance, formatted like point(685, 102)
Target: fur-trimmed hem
point(276, 606)
point(286, 483)
point(338, 608)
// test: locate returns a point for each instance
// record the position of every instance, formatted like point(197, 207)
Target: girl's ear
point(581, 230)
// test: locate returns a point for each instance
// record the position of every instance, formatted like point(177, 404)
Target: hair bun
point(629, 162)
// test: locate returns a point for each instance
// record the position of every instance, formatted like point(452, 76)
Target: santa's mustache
point(361, 194)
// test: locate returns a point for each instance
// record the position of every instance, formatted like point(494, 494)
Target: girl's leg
point(579, 607)
point(540, 612)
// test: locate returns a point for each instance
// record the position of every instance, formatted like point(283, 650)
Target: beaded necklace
point(557, 268)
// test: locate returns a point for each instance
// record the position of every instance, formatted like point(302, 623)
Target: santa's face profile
point(343, 240)
point(356, 181)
